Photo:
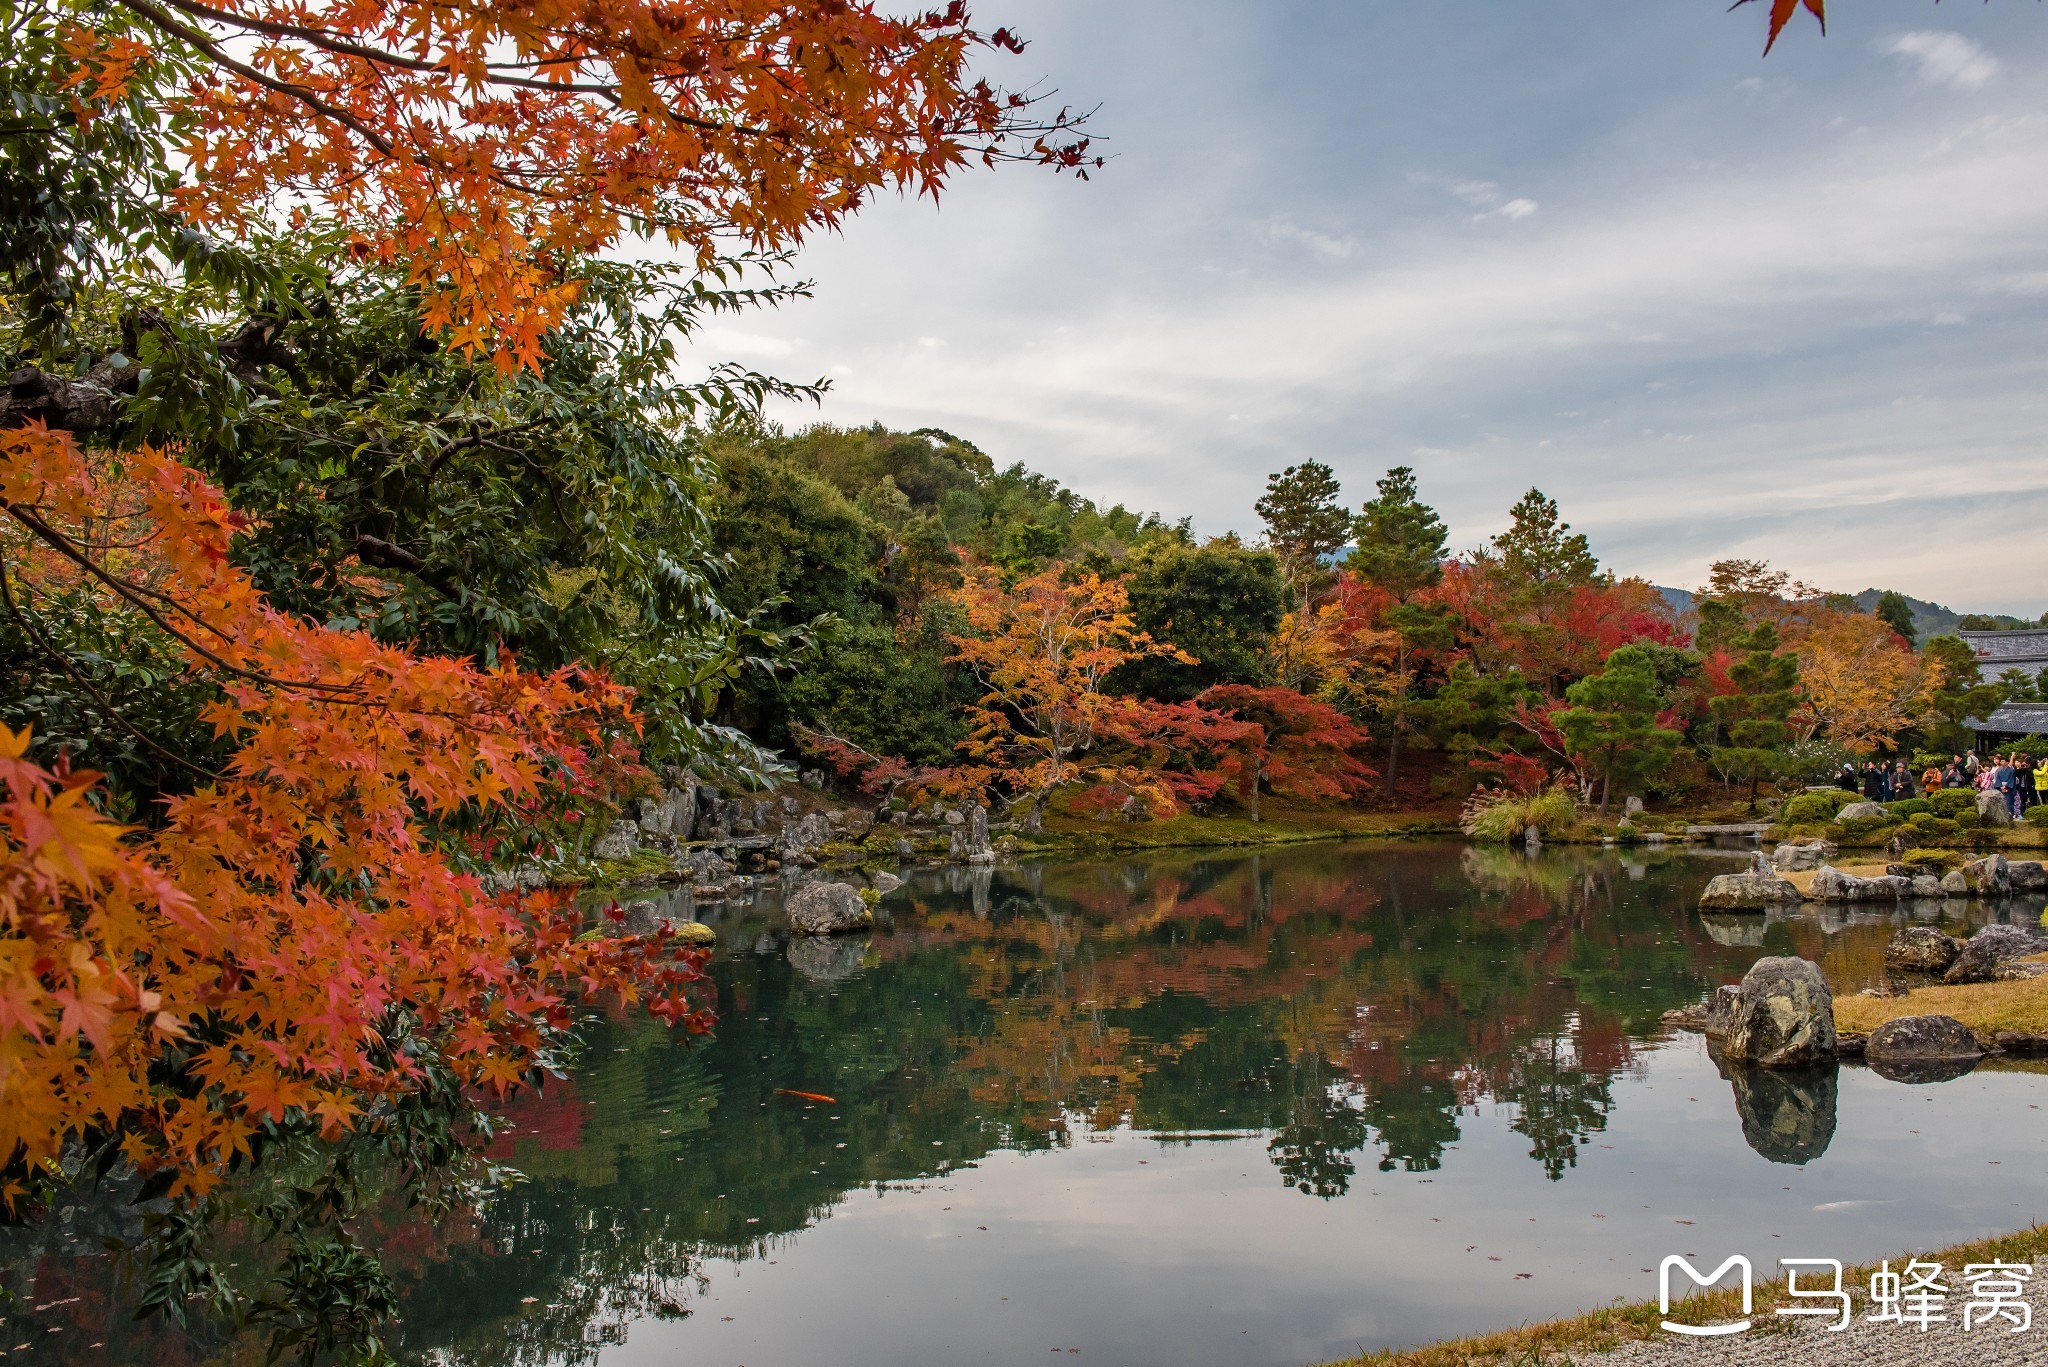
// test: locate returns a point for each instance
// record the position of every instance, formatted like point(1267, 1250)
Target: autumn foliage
point(483, 146)
point(293, 946)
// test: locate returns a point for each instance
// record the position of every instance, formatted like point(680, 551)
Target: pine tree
point(1755, 720)
point(1400, 549)
point(1305, 524)
point(1539, 548)
point(1612, 720)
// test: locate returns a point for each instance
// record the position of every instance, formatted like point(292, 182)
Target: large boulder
point(1992, 809)
point(622, 841)
point(1921, 949)
point(1747, 891)
point(2027, 875)
point(1800, 856)
point(1984, 953)
point(1787, 1117)
point(1784, 1016)
point(1953, 884)
point(1926, 885)
point(822, 908)
point(1856, 811)
point(672, 815)
point(1990, 876)
point(1832, 885)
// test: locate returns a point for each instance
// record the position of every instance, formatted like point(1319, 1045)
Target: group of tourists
point(2018, 778)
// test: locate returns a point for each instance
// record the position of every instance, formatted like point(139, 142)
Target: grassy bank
point(1064, 833)
point(1596, 1331)
point(1985, 1007)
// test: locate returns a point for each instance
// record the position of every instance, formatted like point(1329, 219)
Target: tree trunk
point(1394, 723)
point(1606, 786)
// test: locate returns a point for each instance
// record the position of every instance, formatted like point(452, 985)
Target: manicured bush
point(1864, 830)
point(1952, 802)
point(1818, 805)
point(1911, 806)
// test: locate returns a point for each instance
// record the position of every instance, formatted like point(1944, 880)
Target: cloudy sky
point(1716, 304)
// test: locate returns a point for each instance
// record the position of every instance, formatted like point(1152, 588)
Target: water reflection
point(1352, 1020)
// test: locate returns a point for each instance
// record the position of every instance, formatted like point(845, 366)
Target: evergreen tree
point(1755, 720)
point(1539, 548)
point(1612, 721)
point(1399, 547)
point(1305, 524)
point(1896, 613)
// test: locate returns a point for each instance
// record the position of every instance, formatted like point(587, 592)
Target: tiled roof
point(2023, 718)
point(2009, 649)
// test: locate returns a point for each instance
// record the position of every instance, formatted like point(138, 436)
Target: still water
point(1198, 1109)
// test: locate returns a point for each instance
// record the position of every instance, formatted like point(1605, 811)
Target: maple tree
point(1861, 684)
point(292, 952)
point(1307, 750)
point(483, 146)
point(1043, 650)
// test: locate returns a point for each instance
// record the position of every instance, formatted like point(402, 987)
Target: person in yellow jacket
point(2040, 782)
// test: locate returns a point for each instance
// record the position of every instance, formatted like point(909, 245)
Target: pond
point(1233, 1109)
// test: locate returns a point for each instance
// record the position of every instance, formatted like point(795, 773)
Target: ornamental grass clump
point(1497, 816)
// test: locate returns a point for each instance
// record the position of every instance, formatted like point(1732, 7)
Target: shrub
point(2038, 815)
point(1626, 833)
point(1865, 829)
point(1908, 807)
point(1952, 802)
point(1493, 815)
point(1817, 805)
point(1939, 861)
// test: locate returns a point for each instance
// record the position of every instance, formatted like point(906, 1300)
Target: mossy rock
point(1939, 861)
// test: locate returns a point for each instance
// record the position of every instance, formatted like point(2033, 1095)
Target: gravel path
point(1863, 1344)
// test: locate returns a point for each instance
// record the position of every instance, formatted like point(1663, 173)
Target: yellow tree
point(1862, 684)
point(1041, 650)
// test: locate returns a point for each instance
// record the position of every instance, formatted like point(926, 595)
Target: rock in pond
point(2027, 875)
point(1922, 949)
point(1721, 1010)
point(1990, 876)
point(1747, 891)
point(1856, 811)
point(1926, 885)
point(1783, 1016)
point(1984, 953)
point(1800, 856)
point(694, 933)
point(1917, 1037)
point(1832, 885)
point(887, 882)
point(822, 908)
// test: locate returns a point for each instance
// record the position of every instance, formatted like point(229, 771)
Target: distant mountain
point(1929, 619)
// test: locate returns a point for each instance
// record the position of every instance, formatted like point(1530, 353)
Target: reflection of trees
point(1323, 1129)
point(1342, 1004)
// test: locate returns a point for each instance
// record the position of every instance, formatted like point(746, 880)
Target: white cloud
point(731, 342)
point(1321, 244)
point(1517, 208)
point(1944, 58)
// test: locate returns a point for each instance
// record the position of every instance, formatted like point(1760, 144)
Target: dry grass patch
point(1541, 1345)
point(1984, 1007)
